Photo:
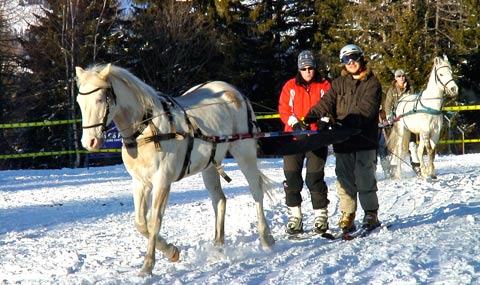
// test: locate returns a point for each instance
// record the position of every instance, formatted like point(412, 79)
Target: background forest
point(173, 45)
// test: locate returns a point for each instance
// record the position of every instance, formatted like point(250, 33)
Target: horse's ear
point(445, 57)
point(79, 71)
point(104, 73)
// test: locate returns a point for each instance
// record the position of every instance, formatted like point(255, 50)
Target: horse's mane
point(147, 96)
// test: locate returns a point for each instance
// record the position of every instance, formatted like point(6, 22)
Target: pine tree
point(71, 33)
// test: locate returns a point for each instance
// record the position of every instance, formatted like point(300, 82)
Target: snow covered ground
point(75, 226)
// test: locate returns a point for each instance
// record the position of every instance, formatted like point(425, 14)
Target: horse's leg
point(424, 143)
point(399, 152)
point(430, 170)
point(155, 241)
point(211, 178)
point(141, 203)
point(245, 153)
point(432, 158)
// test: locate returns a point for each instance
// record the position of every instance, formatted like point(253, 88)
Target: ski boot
point(347, 222)
point(370, 220)
point(320, 224)
point(294, 223)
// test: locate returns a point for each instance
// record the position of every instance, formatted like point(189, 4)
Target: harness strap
point(190, 137)
point(131, 140)
point(426, 109)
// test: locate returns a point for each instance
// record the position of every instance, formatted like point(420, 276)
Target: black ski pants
point(314, 177)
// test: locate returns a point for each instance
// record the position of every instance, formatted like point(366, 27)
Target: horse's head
point(95, 97)
point(444, 76)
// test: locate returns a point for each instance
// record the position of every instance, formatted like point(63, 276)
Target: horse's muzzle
point(453, 90)
point(92, 143)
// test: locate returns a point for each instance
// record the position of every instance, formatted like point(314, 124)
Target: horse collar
point(131, 140)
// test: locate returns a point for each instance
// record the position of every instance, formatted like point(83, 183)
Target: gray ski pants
point(356, 177)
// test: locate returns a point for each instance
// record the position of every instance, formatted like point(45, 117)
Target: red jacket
point(297, 99)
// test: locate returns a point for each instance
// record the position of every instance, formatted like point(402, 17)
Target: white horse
point(166, 139)
point(422, 114)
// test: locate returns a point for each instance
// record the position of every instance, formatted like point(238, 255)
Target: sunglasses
point(349, 58)
point(306, 68)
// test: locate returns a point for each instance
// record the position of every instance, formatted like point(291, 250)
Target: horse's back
point(218, 107)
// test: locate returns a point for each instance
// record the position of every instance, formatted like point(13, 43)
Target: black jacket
point(355, 104)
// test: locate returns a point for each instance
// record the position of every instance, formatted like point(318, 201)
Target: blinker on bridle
point(110, 97)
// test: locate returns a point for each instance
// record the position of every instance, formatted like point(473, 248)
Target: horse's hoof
point(267, 242)
point(143, 273)
point(176, 255)
point(146, 271)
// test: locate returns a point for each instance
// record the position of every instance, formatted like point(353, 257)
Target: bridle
point(111, 98)
point(437, 78)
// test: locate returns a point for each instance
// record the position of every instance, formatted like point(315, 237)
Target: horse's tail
point(267, 185)
point(253, 126)
point(394, 139)
point(391, 140)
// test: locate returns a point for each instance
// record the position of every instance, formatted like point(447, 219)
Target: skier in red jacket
point(298, 95)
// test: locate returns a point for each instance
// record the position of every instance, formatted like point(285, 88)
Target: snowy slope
point(75, 226)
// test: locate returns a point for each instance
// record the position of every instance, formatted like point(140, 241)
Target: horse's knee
point(142, 228)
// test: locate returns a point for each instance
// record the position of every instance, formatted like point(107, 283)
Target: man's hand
point(324, 123)
point(300, 126)
point(387, 123)
point(292, 120)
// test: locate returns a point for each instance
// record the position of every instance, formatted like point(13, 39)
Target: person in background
point(399, 87)
point(354, 98)
point(297, 96)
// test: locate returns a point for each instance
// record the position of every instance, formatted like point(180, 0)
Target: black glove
point(322, 125)
point(300, 126)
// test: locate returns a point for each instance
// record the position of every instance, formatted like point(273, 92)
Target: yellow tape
point(459, 141)
point(461, 108)
point(38, 124)
point(273, 116)
point(259, 117)
point(51, 153)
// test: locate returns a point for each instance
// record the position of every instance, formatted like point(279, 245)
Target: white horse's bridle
point(438, 80)
point(111, 98)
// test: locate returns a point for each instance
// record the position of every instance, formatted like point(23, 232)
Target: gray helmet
point(350, 49)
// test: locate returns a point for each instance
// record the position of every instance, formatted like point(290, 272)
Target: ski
point(329, 235)
point(363, 232)
point(334, 234)
point(337, 234)
point(307, 235)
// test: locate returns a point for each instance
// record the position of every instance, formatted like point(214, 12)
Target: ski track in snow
point(75, 226)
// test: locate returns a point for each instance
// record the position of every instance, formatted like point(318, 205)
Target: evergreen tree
point(71, 33)
point(169, 45)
